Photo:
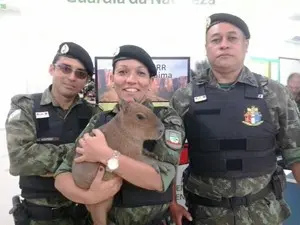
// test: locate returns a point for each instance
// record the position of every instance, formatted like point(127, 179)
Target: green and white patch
point(173, 139)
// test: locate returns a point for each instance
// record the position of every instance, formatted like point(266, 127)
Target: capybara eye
point(140, 116)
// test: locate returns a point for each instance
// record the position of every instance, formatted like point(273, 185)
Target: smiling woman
point(131, 79)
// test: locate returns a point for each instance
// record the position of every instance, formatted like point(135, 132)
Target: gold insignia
point(253, 117)
point(64, 49)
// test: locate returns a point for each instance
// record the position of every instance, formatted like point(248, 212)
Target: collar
point(47, 98)
point(245, 76)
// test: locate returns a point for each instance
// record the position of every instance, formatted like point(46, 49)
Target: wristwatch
point(113, 162)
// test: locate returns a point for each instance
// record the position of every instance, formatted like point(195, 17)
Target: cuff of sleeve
point(291, 156)
point(166, 170)
point(167, 173)
point(57, 173)
point(62, 169)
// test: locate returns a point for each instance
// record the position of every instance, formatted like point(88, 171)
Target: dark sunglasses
point(66, 69)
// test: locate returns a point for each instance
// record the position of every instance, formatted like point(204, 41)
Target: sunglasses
point(66, 69)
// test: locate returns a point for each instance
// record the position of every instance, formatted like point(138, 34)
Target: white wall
point(29, 40)
point(12, 63)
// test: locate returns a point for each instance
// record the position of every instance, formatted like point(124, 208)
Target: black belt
point(230, 202)
point(39, 212)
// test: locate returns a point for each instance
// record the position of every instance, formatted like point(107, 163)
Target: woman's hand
point(93, 148)
point(100, 190)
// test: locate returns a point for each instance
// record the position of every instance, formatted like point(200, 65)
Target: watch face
point(113, 163)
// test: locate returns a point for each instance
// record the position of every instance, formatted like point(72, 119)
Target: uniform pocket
point(267, 211)
point(198, 187)
point(211, 216)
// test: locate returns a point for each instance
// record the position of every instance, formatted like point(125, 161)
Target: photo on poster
point(172, 73)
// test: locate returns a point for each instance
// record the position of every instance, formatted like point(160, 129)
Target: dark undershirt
point(225, 86)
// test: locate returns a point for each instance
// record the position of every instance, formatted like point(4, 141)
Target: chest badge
point(200, 98)
point(253, 117)
point(41, 115)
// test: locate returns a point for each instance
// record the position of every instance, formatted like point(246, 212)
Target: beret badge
point(64, 49)
point(208, 22)
point(116, 52)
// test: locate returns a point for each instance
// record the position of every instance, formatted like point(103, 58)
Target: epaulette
point(17, 98)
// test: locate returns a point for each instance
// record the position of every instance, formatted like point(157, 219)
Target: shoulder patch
point(173, 139)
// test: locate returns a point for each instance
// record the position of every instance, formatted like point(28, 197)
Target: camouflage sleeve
point(289, 125)
point(66, 165)
point(180, 100)
point(167, 150)
point(25, 155)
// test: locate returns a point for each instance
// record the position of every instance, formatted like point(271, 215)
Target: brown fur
point(126, 132)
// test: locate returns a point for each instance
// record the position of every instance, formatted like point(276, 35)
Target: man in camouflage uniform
point(40, 129)
point(234, 121)
point(293, 84)
point(139, 206)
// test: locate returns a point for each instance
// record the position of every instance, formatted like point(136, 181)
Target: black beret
point(73, 50)
point(137, 53)
point(228, 18)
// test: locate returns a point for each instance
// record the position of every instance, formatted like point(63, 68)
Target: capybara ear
point(124, 105)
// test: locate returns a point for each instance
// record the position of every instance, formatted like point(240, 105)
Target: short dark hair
point(292, 75)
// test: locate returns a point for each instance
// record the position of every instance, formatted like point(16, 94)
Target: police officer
point(40, 129)
point(145, 196)
point(234, 120)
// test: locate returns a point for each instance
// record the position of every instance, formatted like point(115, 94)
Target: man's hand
point(102, 190)
point(296, 171)
point(178, 212)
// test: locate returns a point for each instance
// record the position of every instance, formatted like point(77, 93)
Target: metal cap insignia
point(208, 22)
point(64, 49)
point(117, 51)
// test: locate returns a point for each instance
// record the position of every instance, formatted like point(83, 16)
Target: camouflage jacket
point(285, 116)
point(25, 155)
point(298, 105)
point(165, 163)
